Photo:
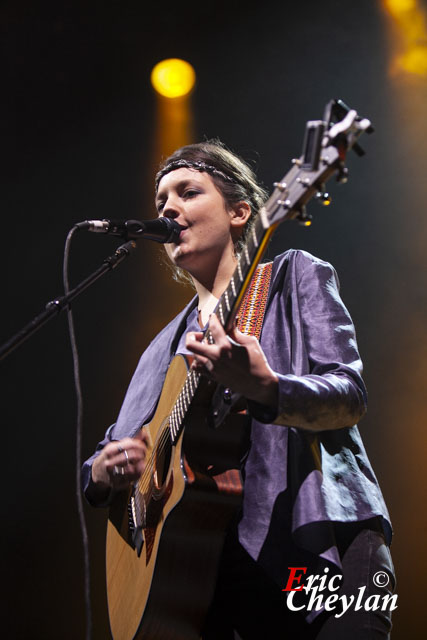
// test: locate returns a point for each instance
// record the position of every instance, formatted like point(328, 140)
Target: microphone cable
point(173, 229)
point(79, 433)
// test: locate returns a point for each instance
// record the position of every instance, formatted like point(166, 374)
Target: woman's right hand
point(120, 462)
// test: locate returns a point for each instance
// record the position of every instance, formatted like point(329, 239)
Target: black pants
point(248, 605)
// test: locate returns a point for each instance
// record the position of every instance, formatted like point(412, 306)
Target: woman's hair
point(232, 176)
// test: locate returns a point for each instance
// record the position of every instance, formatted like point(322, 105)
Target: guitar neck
point(253, 250)
point(226, 311)
point(323, 156)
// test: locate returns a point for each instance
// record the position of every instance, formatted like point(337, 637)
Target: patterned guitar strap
point(252, 308)
point(249, 321)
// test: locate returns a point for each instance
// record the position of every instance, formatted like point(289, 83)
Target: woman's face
point(192, 199)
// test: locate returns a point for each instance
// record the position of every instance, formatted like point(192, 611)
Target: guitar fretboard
point(249, 258)
point(226, 311)
point(182, 404)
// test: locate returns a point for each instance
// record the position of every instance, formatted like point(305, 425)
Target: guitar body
point(162, 588)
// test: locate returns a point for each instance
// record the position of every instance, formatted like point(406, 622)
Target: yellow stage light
point(173, 77)
point(415, 60)
point(400, 6)
point(411, 20)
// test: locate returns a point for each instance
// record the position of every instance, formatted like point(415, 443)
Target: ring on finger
point(118, 471)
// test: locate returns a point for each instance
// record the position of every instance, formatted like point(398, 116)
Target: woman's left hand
point(236, 361)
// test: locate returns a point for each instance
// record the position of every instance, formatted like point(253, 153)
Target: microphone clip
point(163, 230)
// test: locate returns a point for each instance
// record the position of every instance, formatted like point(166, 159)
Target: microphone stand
point(54, 307)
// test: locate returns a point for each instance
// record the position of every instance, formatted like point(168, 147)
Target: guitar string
point(143, 487)
point(144, 482)
point(175, 420)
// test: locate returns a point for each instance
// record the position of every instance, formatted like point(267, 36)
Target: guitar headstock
point(325, 147)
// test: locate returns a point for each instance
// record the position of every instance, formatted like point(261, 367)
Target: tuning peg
point(304, 218)
point(323, 198)
point(342, 176)
point(282, 186)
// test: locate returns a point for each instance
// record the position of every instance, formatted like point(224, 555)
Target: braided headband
point(198, 165)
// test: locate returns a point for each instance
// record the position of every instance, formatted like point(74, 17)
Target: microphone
point(162, 230)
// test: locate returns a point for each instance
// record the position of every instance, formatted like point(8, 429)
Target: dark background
point(78, 127)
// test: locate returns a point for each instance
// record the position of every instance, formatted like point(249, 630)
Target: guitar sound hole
point(162, 461)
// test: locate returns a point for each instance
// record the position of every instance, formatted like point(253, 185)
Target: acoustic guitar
point(165, 535)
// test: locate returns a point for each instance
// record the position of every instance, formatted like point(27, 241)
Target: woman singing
point(311, 503)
